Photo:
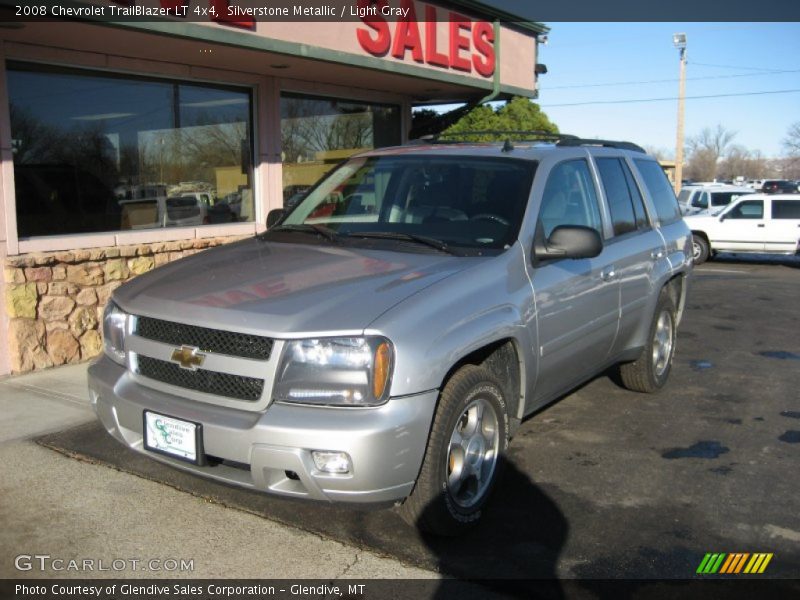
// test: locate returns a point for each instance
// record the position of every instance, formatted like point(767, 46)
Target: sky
point(590, 63)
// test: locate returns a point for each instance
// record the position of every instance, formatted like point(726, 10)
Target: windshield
point(463, 202)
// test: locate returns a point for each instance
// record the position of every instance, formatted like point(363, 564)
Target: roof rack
point(532, 135)
point(536, 135)
point(575, 141)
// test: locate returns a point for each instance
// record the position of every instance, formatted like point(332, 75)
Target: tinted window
point(701, 200)
point(725, 198)
point(749, 209)
point(786, 209)
point(658, 186)
point(468, 202)
point(318, 133)
point(103, 152)
point(618, 195)
point(570, 198)
point(638, 202)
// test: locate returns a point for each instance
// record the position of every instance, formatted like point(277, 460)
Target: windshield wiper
point(326, 232)
point(405, 237)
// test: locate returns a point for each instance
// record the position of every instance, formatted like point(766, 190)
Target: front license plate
point(173, 437)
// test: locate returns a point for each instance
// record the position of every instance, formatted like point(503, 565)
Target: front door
point(742, 228)
point(577, 300)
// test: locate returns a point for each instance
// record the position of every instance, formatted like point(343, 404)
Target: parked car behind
point(709, 197)
point(381, 342)
point(778, 186)
point(757, 223)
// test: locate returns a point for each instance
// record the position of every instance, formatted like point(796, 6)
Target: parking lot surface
point(607, 483)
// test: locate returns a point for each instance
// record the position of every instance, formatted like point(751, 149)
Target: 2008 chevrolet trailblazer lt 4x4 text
point(382, 341)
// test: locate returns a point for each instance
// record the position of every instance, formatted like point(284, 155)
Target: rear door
point(783, 228)
point(577, 300)
point(634, 249)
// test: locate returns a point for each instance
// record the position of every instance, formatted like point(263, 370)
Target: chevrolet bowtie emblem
point(188, 357)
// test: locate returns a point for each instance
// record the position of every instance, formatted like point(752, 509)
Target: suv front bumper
point(270, 451)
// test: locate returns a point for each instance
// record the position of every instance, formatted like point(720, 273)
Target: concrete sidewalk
point(54, 505)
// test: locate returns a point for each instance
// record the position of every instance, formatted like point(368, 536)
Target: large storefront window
point(318, 133)
point(97, 152)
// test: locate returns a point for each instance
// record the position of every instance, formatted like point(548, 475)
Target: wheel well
point(701, 234)
point(501, 358)
point(675, 289)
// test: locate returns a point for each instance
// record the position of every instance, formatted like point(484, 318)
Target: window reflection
point(319, 133)
point(97, 152)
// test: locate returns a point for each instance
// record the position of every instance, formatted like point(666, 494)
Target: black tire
point(701, 251)
point(449, 497)
point(650, 371)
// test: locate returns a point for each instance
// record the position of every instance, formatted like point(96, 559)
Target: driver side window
point(570, 198)
point(749, 209)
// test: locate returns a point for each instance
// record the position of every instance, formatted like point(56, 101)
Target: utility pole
point(679, 41)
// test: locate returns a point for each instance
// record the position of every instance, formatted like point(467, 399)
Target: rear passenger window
point(638, 202)
point(624, 199)
point(570, 198)
point(658, 186)
point(786, 209)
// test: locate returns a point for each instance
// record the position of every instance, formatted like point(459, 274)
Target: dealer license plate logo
point(171, 436)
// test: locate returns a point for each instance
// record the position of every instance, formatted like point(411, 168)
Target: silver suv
point(383, 340)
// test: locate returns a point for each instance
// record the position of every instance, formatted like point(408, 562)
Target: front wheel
point(650, 371)
point(462, 461)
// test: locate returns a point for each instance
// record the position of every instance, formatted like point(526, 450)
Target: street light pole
point(679, 41)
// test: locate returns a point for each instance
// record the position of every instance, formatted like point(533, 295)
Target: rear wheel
point(462, 461)
point(650, 371)
point(701, 250)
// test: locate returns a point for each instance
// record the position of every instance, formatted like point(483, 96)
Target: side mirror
point(571, 241)
point(722, 218)
point(274, 216)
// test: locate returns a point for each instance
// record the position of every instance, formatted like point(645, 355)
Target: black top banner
point(519, 12)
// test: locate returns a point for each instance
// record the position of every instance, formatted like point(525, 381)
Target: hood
point(281, 290)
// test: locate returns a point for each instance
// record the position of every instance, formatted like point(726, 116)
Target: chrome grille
point(217, 341)
point(209, 382)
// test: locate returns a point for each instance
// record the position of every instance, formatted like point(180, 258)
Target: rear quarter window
point(786, 209)
point(661, 192)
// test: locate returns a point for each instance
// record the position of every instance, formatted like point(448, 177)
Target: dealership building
point(127, 143)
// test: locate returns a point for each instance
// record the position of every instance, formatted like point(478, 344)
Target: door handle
point(760, 225)
point(656, 254)
point(608, 273)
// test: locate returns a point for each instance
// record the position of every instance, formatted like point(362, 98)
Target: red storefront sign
point(470, 44)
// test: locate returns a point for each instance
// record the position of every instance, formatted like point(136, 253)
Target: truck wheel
point(462, 461)
point(700, 249)
point(650, 371)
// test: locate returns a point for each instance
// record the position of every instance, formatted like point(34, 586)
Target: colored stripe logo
point(734, 563)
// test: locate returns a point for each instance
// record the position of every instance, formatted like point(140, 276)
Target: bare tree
point(791, 143)
point(706, 149)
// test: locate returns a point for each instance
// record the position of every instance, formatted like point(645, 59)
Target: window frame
point(605, 231)
point(629, 178)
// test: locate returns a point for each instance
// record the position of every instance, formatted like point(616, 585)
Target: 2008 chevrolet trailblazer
point(381, 342)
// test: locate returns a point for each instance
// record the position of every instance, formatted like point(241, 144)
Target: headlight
point(335, 371)
point(114, 326)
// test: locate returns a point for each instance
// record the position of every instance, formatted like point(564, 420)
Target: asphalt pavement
point(605, 483)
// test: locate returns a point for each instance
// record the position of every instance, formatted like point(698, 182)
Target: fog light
point(331, 462)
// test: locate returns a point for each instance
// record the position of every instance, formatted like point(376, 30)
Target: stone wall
point(55, 300)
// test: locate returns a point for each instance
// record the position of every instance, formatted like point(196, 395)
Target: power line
point(623, 83)
point(671, 98)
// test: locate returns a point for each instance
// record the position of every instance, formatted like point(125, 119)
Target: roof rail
point(535, 135)
point(462, 137)
point(575, 141)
